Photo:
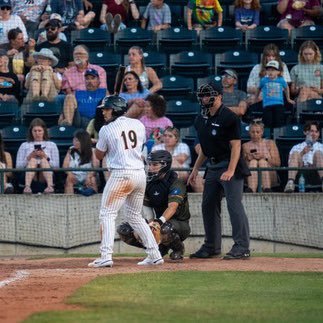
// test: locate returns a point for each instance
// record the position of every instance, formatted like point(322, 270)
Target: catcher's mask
point(118, 105)
point(210, 90)
point(161, 158)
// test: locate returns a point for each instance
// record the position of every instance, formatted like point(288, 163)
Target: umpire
point(218, 131)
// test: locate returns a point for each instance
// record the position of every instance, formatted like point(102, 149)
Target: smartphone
point(37, 147)
point(253, 151)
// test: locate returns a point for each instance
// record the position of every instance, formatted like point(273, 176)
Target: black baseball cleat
point(204, 254)
point(232, 256)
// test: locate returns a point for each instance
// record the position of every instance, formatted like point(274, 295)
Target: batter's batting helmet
point(116, 103)
point(210, 90)
point(162, 157)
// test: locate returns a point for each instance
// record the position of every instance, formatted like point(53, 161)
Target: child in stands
point(246, 14)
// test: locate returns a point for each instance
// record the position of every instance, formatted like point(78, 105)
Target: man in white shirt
point(122, 140)
point(306, 154)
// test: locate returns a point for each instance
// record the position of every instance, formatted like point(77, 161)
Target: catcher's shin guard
point(126, 234)
point(178, 248)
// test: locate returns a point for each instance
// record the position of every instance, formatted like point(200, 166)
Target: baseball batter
point(122, 139)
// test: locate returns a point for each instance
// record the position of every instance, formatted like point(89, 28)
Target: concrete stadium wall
point(57, 224)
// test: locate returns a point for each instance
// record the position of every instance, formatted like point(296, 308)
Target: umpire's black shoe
point(204, 254)
point(232, 256)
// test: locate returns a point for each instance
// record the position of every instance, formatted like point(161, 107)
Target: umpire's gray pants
point(211, 210)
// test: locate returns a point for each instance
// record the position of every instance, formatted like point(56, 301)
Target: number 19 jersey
point(123, 139)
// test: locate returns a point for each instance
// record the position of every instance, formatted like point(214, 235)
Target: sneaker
point(101, 262)
point(9, 189)
point(151, 262)
point(116, 23)
point(290, 186)
point(108, 22)
point(243, 255)
point(204, 254)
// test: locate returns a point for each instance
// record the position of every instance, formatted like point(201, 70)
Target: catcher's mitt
point(155, 229)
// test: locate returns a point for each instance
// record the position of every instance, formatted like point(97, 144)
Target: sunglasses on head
point(256, 121)
point(5, 8)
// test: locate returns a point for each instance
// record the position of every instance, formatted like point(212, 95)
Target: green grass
point(190, 296)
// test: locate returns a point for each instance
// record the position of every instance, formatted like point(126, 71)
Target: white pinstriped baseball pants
point(125, 187)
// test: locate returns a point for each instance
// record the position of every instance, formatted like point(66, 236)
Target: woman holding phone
point(260, 152)
point(38, 152)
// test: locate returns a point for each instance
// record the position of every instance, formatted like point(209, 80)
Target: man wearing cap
point(218, 130)
point(61, 49)
point(235, 100)
point(29, 12)
point(80, 107)
point(73, 78)
point(273, 87)
point(8, 21)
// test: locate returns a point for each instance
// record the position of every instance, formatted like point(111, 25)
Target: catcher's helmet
point(164, 158)
point(210, 90)
point(116, 103)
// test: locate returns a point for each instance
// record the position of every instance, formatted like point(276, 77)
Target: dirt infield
point(29, 286)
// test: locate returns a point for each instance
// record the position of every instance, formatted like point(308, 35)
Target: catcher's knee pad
point(126, 234)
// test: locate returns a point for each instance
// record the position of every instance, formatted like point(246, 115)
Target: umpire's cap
point(116, 103)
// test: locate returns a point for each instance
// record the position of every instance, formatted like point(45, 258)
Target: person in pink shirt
point(73, 77)
point(154, 119)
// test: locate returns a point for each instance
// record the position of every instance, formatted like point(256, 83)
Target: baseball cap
point(56, 16)
point(230, 72)
point(54, 23)
point(273, 64)
point(91, 71)
point(5, 3)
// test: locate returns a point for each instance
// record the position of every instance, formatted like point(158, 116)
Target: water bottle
point(301, 184)
point(6, 84)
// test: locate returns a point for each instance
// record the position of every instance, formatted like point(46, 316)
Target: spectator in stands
point(146, 74)
point(61, 49)
point(43, 35)
point(309, 153)
point(246, 14)
point(158, 15)
point(72, 13)
point(9, 21)
point(132, 87)
point(30, 13)
point(81, 155)
point(5, 162)
point(42, 82)
point(115, 14)
point(235, 100)
point(270, 52)
point(80, 106)
point(180, 151)
point(154, 118)
point(202, 14)
point(38, 151)
point(18, 52)
point(9, 83)
point(298, 13)
point(273, 87)
point(307, 75)
point(73, 78)
point(260, 152)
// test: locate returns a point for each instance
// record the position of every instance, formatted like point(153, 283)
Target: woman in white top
point(270, 52)
point(80, 155)
point(180, 151)
point(9, 21)
point(146, 74)
point(38, 151)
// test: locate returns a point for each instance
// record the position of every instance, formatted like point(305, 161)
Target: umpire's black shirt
point(216, 132)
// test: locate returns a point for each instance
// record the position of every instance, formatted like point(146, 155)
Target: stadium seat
point(301, 34)
point(245, 133)
point(182, 112)
point(211, 78)
point(177, 39)
point(311, 110)
point(126, 38)
point(241, 61)
point(193, 64)
point(94, 38)
point(177, 87)
point(13, 136)
point(259, 37)
point(269, 15)
point(220, 39)
point(48, 111)
point(9, 112)
point(156, 60)
point(289, 57)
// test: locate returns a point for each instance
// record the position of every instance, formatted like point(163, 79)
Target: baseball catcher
point(166, 197)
